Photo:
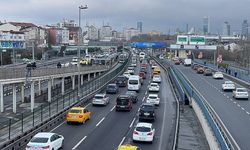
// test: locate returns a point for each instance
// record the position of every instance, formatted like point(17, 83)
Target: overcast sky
point(160, 15)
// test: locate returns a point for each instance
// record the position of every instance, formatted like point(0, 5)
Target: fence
point(30, 121)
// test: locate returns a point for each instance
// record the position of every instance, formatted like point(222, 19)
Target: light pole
point(79, 41)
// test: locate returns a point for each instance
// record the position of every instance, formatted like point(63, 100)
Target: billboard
point(12, 44)
point(149, 44)
point(182, 39)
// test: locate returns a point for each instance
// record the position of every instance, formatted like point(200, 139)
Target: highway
point(235, 114)
point(107, 128)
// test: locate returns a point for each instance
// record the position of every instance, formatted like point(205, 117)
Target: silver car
point(100, 99)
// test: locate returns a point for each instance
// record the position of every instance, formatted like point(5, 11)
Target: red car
point(143, 75)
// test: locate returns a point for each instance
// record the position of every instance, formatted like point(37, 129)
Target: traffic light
point(182, 46)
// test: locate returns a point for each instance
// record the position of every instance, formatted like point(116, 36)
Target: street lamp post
point(79, 41)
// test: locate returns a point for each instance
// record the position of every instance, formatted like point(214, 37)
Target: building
point(34, 34)
point(62, 36)
point(9, 27)
point(139, 26)
point(245, 27)
point(67, 23)
point(105, 32)
point(226, 29)
point(73, 35)
point(93, 33)
point(130, 32)
point(206, 25)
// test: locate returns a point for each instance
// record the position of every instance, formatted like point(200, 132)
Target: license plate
point(122, 106)
point(141, 138)
point(74, 117)
point(146, 114)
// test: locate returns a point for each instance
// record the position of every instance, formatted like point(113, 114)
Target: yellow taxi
point(157, 69)
point(128, 147)
point(78, 114)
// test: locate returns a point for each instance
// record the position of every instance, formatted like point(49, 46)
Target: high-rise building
point(92, 33)
point(130, 32)
point(245, 27)
point(105, 31)
point(206, 25)
point(226, 29)
point(139, 26)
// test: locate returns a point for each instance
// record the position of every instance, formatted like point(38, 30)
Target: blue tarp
point(149, 44)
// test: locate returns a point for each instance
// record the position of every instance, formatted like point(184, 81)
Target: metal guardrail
point(16, 136)
point(10, 73)
point(175, 141)
point(223, 137)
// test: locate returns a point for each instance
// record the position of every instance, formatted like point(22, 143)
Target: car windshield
point(122, 101)
point(39, 140)
point(133, 81)
point(143, 129)
point(75, 111)
point(154, 85)
point(242, 90)
point(111, 86)
point(98, 97)
point(152, 97)
point(147, 107)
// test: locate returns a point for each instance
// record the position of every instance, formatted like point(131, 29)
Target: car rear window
point(39, 140)
point(75, 111)
point(143, 129)
point(152, 97)
point(133, 81)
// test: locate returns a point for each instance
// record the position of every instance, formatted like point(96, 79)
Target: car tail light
point(67, 115)
point(150, 133)
point(80, 116)
point(45, 147)
point(135, 133)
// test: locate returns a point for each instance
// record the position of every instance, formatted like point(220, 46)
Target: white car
point(100, 99)
point(156, 78)
point(218, 75)
point(153, 99)
point(133, 64)
point(228, 85)
point(240, 93)
point(144, 132)
point(45, 140)
point(153, 66)
point(154, 87)
point(131, 70)
point(126, 74)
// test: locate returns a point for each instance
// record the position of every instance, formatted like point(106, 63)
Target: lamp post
point(79, 41)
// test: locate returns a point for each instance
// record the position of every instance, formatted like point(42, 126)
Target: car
point(154, 87)
point(218, 75)
point(128, 147)
point(208, 72)
point(133, 96)
point(100, 99)
point(143, 132)
point(126, 74)
point(45, 140)
point(200, 70)
point(78, 115)
point(131, 70)
point(157, 69)
point(195, 66)
point(240, 93)
point(161, 56)
point(154, 66)
point(74, 61)
point(147, 112)
point(123, 102)
point(142, 75)
point(177, 62)
point(187, 62)
point(157, 78)
point(153, 99)
point(121, 81)
point(112, 89)
point(228, 85)
point(154, 73)
point(143, 69)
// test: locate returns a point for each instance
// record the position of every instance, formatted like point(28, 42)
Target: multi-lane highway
point(108, 128)
point(235, 114)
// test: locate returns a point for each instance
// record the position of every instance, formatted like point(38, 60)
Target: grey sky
point(160, 15)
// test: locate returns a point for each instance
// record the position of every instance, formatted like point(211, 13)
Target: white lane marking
point(100, 121)
point(228, 97)
point(112, 108)
point(234, 102)
point(132, 123)
point(238, 105)
point(242, 108)
point(247, 112)
point(146, 92)
point(122, 141)
point(58, 126)
point(79, 142)
point(143, 99)
point(138, 109)
point(231, 99)
point(87, 105)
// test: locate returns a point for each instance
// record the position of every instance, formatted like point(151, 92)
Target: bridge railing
point(223, 137)
point(15, 133)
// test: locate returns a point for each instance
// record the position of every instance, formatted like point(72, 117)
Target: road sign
point(192, 47)
point(197, 40)
point(182, 39)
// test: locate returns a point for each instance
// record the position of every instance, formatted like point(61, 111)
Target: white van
point(187, 62)
point(134, 83)
point(142, 55)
